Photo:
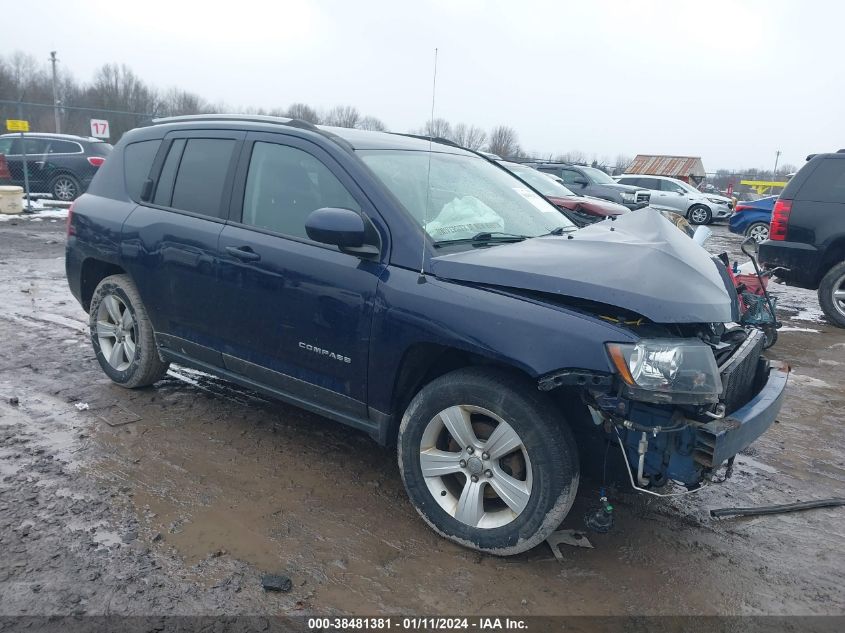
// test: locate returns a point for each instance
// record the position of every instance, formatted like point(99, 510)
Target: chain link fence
point(47, 166)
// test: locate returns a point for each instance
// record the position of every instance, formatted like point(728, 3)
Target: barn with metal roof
point(687, 168)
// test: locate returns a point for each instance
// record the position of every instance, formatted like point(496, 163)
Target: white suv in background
point(676, 195)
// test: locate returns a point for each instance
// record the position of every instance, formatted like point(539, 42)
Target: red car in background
point(5, 175)
point(582, 210)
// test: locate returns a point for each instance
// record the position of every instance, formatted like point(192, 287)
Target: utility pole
point(777, 157)
point(53, 60)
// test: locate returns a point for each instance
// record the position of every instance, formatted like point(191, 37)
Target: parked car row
point(60, 165)
point(681, 197)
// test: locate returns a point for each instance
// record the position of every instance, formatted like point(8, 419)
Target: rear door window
point(137, 161)
point(284, 185)
point(63, 147)
point(826, 183)
point(35, 146)
point(201, 176)
point(6, 145)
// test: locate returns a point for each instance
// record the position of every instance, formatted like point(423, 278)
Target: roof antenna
point(421, 278)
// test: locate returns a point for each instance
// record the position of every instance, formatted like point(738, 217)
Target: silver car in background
point(681, 197)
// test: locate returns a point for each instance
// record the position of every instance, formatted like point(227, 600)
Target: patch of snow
point(790, 328)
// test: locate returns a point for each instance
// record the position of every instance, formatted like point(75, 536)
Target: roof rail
point(256, 118)
point(433, 139)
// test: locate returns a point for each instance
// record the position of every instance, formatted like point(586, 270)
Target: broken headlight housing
point(673, 370)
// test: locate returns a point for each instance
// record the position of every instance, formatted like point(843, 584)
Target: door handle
point(244, 253)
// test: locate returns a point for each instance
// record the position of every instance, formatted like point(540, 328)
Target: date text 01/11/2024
point(417, 623)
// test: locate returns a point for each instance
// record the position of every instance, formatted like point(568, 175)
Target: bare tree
point(343, 116)
point(503, 142)
point(303, 112)
point(620, 164)
point(469, 136)
point(177, 102)
point(437, 128)
point(372, 123)
point(572, 156)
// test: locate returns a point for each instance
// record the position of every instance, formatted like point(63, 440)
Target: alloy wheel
point(116, 332)
point(475, 466)
point(64, 189)
point(760, 232)
point(698, 215)
point(839, 295)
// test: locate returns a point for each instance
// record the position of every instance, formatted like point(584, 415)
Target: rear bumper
point(722, 439)
point(801, 261)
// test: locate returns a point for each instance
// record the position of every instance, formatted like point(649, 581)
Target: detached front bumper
point(722, 439)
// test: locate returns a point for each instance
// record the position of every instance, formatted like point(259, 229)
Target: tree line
point(117, 88)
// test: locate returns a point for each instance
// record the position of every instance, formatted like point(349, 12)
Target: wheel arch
point(424, 362)
point(93, 271)
point(834, 254)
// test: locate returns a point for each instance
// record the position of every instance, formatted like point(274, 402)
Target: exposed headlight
point(678, 370)
point(717, 201)
point(628, 197)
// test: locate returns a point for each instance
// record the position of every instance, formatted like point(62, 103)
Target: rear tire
point(832, 295)
point(65, 187)
point(524, 486)
point(122, 334)
point(699, 214)
point(759, 231)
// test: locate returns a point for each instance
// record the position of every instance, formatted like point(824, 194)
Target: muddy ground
point(176, 499)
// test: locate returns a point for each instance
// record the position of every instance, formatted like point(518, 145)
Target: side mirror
point(581, 181)
point(343, 228)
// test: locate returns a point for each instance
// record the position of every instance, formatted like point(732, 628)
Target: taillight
point(741, 207)
point(96, 161)
point(69, 228)
point(780, 219)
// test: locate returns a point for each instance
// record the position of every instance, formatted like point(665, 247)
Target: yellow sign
point(16, 125)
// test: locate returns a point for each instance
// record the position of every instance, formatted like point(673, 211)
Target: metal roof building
point(686, 168)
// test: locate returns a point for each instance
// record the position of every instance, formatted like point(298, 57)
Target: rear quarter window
point(137, 162)
point(826, 183)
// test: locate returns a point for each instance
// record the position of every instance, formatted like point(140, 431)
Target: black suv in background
point(807, 233)
point(61, 165)
point(590, 181)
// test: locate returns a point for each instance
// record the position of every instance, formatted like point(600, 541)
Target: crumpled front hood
point(640, 262)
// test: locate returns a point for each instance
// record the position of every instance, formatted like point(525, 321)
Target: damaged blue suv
point(425, 295)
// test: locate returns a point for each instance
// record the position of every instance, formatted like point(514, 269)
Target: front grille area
point(643, 196)
point(739, 373)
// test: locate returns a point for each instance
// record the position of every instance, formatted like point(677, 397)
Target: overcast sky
point(731, 81)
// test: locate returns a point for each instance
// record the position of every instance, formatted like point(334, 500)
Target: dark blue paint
point(334, 332)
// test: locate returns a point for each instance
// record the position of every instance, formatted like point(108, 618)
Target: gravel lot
point(176, 499)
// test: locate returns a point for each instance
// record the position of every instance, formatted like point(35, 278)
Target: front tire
point(699, 214)
point(122, 334)
point(487, 460)
point(832, 295)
